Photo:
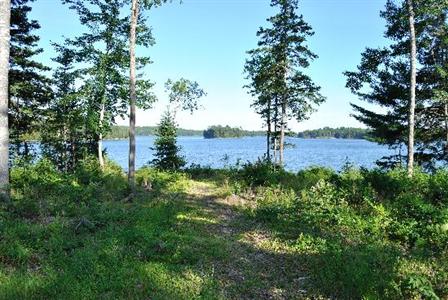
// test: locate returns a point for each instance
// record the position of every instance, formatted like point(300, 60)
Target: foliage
point(382, 78)
point(184, 94)
point(218, 131)
point(364, 229)
point(338, 133)
point(358, 233)
point(122, 132)
point(72, 236)
point(29, 88)
point(166, 154)
point(67, 137)
point(102, 61)
point(161, 181)
point(276, 71)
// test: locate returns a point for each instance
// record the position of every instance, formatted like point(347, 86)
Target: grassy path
point(195, 244)
point(254, 265)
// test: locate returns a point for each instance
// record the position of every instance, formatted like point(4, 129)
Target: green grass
point(226, 234)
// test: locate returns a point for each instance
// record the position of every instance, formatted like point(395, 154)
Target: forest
point(122, 132)
point(74, 224)
point(219, 131)
point(337, 133)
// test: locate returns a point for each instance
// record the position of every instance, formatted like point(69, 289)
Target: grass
point(221, 234)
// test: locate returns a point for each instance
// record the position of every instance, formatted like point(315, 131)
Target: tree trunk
point(411, 114)
point(100, 136)
point(282, 133)
point(268, 133)
point(275, 137)
point(5, 16)
point(132, 42)
point(446, 126)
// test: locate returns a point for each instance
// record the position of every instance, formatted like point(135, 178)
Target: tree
point(106, 52)
point(183, 94)
point(132, 89)
point(436, 63)
point(67, 138)
point(165, 145)
point(258, 72)
point(282, 55)
point(29, 88)
point(383, 78)
point(413, 58)
point(5, 14)
point(134, 20)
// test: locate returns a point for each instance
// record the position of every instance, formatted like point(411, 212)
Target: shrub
point(161, 181)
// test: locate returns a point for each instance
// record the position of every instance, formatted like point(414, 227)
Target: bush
point(370, 223)
point(40, 190)
point(161, 181)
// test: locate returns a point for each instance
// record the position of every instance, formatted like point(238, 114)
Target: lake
point(217, 153)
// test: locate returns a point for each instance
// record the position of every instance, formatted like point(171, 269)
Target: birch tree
point(134, 23)
point(412, 99)
point(413, 81)
point(106, 51)
point(5, 15)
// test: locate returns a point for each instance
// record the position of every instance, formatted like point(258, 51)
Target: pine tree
point(5, 14)
point(383, 78)
point(261, 87)
point(283, 46)
point(165, 145)
point(183, 94)
point(67, 138)
point(29, 88)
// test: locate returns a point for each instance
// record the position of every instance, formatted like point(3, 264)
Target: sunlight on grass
point(196, 219)
point(178, 283)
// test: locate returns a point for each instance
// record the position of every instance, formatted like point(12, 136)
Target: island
point(337, 133)
point(218, 131)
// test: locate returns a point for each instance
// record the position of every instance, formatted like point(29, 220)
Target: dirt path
point(257, 267)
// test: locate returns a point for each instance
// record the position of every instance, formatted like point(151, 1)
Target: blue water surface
point(218, 153)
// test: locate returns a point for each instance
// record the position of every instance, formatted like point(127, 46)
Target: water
point(218, 153)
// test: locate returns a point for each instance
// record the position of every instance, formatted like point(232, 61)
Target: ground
point(253, 267)
point(192, 244)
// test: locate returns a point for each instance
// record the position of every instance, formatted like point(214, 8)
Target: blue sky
point(207, 40)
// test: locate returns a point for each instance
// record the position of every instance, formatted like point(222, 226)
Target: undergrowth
point(362, 233)
point(358, 233)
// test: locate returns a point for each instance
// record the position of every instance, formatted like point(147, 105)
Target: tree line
point(219, 131)
point(338, 133)
point(122, 132)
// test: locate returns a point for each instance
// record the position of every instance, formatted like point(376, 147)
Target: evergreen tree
point(435, 68)
point(183, 94)
point(383, 78)
point(282, 53)
point(29, 88)
point(5, 16)
point(165, 145)
point(261, 87)
point(67, 138)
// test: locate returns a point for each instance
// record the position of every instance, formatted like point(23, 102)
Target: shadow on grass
point(179, 246)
